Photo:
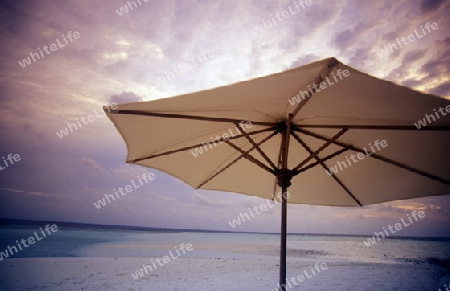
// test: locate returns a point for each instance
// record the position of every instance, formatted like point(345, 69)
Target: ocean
point(96, 241)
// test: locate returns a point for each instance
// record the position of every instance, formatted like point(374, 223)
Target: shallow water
point(83, 241)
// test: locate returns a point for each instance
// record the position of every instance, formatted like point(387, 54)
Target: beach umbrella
point(326, 132)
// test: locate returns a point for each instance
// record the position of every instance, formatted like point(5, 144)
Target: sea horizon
point(13, 221)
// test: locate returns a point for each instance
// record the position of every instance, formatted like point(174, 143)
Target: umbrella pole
point(284, 181)
point(283, 240)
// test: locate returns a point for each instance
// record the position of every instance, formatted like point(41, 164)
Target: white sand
point(209, 274)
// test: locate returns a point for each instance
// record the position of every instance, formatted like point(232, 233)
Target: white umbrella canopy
point(292, 129)
point(414, 163)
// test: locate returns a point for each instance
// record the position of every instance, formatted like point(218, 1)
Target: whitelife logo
point(398, 226)
point(147, 177)
point(181, 69)
point(11, 250)
point(360, 156)
point(341, 74)
point(245, 125)
point(390, 48)
point(165, 260)
point(314, 271)
point(53, 47)
point(71, 127)
point(11, 158)
point(124, 9)
point(431, 118)
point(243, 217)
point(293, 9)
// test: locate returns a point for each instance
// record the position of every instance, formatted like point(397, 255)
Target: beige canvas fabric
point(348, 98)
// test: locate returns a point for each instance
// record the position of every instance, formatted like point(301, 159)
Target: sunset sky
point(102, 54)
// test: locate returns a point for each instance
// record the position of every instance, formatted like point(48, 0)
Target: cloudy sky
point(165, 48)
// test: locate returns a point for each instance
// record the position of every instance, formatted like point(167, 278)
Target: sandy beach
point(211, 274)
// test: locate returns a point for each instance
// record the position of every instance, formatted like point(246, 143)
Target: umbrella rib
point(251, 158)
point(236, 159)
point(184, 116)
point(324, 146)
point(317, 82)
point(378, 157)
point(312, 165)
point(322, 163)
point(263, 154)
point(380, 127)
point(195, 146)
